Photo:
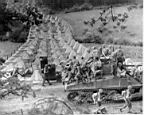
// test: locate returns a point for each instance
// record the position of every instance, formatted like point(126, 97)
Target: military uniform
point(127, 98)
point(117, 56)
point(46, 76)
point(96, 68)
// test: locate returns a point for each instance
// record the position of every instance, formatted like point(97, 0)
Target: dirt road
point(13, 103)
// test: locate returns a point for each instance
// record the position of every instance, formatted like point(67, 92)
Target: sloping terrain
point(132, 32)
point(7, 48)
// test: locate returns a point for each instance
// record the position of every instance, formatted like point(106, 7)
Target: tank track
point(84, 97)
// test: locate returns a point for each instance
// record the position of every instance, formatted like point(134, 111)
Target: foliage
point(141, 6)
point(90, 37)
point(14, 86)
point(7, 22)
point(122, 42)
point(22, 37)
point(110, 41)
point(85, 31)
point(86, 6)
point(139, 44)
point(2, 61)
point(74, 8)
point(77, 8)
point(13, 21)
point(3, 38)
point(62, 4)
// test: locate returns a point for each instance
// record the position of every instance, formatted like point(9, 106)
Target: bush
point(140, 44)
point(3, 38)
point(110, 41)
point(141, 6)
point(90, 37)
point(51, 11)
point(19, 35)
point(86, 6)
point(2, 61)
point(66, 10)
point(98, 40)
point(22, 37)
point(15, 35)
point(80, 39)
point(85, 31)
point(122, 42)
point(77, 8)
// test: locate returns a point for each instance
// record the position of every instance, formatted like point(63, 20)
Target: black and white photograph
point(71, 57)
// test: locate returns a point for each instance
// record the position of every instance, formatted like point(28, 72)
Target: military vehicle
point(112, 86)
point(53, 75)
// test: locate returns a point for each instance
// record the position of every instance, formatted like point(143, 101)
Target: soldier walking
point(97, 97)
point(127, 98)
point(46, 76)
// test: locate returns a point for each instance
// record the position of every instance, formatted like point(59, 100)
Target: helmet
point(129, 86)
point(100, 90)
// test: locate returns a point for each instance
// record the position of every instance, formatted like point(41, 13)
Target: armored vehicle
point(112, 86)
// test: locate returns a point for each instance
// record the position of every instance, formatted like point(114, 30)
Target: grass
point(132, 32)
point(7, 48)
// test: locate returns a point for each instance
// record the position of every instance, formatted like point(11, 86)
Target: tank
point(112, 86)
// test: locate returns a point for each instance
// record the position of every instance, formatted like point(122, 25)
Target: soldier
point(127, 98)
point(15, 72)
point(116, 56)
point(111, 49)
point(78, 76)
point(46, 76)
point(74, 60)
point(105, 52)
point(96, 67)
point(121, 71)
point(138, 72)
point(94, 51)
point(82, 61)
point(84, 72)
point(97, 97)
point(65, 78)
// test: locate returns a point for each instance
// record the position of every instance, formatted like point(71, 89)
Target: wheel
point(72, 95)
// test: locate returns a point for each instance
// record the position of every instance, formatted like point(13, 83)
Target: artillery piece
point(112, 86)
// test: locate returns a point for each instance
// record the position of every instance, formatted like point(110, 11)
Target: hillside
point(132, 32)
point(7, 48)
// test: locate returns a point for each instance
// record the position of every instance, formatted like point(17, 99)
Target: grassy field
point(133, 31)
point(7, 48)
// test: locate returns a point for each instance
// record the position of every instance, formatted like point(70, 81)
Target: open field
point(132, 32)
point(6, 48)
